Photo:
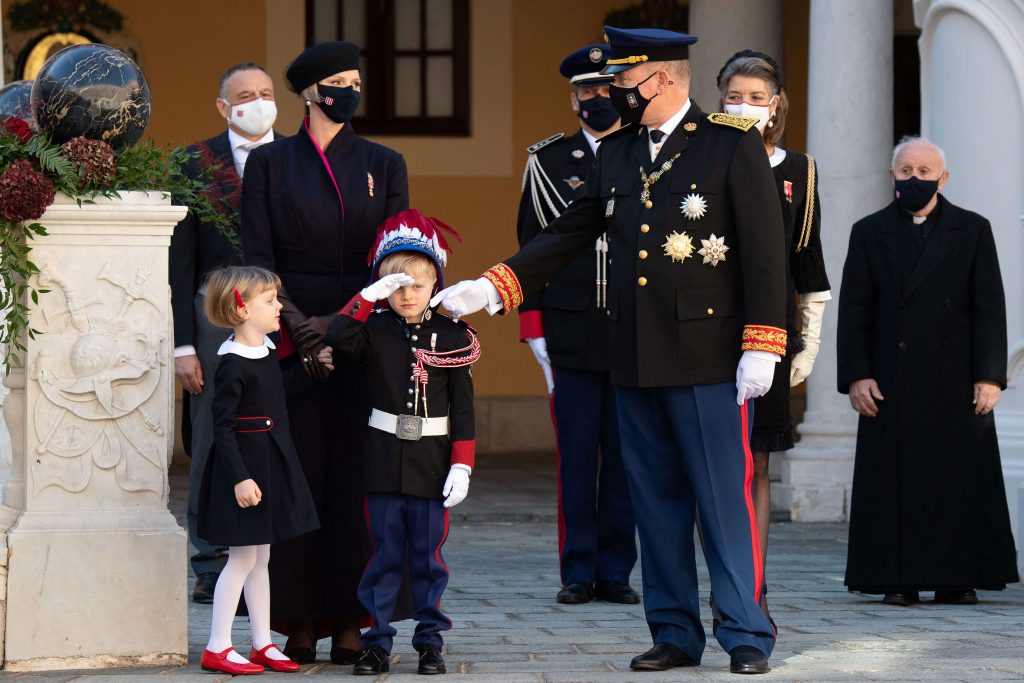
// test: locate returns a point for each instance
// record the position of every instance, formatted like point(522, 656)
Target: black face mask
point(339, 104)
point(913, 194)
point(598, 113)
point(629, 102)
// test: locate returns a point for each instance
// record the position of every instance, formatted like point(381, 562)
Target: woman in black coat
point(311, 204)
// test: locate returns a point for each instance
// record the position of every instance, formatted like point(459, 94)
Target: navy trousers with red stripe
point(687, 449)
point(596, 532)
point(398, 522)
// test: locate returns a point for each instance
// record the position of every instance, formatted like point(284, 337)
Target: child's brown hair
point(221, 305)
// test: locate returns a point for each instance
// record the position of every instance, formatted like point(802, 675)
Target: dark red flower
point(24, 192)
point(18, 128)
point(94, 158)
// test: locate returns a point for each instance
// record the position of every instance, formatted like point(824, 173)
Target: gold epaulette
point(741, 122)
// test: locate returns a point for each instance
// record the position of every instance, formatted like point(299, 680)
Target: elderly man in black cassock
point(922, 355)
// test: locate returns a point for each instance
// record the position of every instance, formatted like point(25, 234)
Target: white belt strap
point(400, 424)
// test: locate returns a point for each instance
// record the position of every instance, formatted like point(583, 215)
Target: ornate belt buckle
point(409, 427)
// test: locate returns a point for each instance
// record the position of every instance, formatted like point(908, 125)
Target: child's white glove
point(456, 486)
point(386, 286)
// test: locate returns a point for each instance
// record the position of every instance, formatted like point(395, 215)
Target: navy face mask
point(913, 194)
point(598, 113)
point(339, 104)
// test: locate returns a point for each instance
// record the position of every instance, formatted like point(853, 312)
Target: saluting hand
point(386, 286)
point(247, 493)
point(863, 394)
point(986, 395)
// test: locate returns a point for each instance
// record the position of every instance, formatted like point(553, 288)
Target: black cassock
point(925, 317)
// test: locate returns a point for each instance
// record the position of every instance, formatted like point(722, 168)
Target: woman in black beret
point(311, 204)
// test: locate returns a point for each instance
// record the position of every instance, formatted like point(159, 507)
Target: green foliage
point(142, 167)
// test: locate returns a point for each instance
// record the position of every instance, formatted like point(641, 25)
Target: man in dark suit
point(246, 101)
point(922, 354)
point(566, 326)
point(696, 304)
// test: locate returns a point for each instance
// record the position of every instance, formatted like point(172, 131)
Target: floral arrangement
point(33, 169)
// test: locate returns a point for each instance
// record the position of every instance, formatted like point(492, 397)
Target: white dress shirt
point(667, 128)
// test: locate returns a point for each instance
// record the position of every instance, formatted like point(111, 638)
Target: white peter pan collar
point(231, 346)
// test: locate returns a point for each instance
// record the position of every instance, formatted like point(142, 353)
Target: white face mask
point(255, 117)
point(751, 111)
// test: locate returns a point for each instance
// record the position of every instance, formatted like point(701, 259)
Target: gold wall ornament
point(678, 246)
point(713, 250)
point(694, 206)
point(48, 46)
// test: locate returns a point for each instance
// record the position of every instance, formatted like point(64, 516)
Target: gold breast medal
point(678, 246)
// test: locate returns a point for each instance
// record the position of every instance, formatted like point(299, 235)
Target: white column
point(849, 133)
point(723, 28)
point(96, 567)
point(971, 51)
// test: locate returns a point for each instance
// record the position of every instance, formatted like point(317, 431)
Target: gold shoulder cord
point(805, 234)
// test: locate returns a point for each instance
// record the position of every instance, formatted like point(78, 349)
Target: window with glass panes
point(414, 63)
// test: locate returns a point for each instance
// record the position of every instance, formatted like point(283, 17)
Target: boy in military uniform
point(419, 452)
point(566, 325)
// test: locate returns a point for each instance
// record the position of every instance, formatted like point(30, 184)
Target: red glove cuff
point(464, 452)
point(531, 325)
point(358, 307)
point(507, 284)
point(764, 338)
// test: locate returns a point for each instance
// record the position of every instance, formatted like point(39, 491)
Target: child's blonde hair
point(221, 307)
point(406, 262)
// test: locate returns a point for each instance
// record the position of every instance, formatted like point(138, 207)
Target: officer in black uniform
point(566, 326)
point(696, 303)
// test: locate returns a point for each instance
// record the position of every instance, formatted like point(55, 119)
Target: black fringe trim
point(772, 442)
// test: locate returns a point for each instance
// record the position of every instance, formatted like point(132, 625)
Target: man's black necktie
point(656, 135)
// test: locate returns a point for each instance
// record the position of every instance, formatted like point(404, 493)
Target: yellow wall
point(472, 183)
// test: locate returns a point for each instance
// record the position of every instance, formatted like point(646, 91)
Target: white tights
point(246, 569)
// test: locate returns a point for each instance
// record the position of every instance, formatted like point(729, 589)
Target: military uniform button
point(711, 311)
point(412, 365)
point(408, 405)
point(693, 186)
point(648, 204)
point(643, 253)
point(613, 190)
point(642, 281)
point(415, 338)
point(645, 228)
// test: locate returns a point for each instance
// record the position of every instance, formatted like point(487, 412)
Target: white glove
point(754, 374)
point(539, 346)
point(463, 298)
point(812, 308)
point(386, 286)
point(456, 486)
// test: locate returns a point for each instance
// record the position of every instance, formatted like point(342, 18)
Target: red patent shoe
point(218, 661)
point(282, 665)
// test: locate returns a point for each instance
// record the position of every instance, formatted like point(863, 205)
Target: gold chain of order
point(649, 180)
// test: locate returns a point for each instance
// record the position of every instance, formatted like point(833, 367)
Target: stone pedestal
point(849, 133)
point(96, 562)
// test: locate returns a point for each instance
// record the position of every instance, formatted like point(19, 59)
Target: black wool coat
point(385, 343)
point(574, 326)
point(926, 321)
point(293, 223)
point(252, 441)
point(675, 323)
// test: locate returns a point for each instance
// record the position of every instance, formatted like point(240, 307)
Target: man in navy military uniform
point(566, 326)
point(696, 304)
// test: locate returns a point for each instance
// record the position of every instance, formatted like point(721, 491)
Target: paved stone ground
point(508, 627)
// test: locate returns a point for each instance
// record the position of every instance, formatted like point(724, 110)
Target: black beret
point(320, 61)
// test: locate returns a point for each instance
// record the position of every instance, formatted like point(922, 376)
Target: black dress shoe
point(905, 599)
point(302, 655)
point(613, 591)
point(661, 657)
point(431, 661)
point(344, 655)
point(372, 660)
point(747, 660)
point(575, 594)
point(205, 585)
point(968, 597)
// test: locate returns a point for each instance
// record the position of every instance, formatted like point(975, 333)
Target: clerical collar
point(244, 350)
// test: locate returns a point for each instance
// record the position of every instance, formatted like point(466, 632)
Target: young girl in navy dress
point(254, 492)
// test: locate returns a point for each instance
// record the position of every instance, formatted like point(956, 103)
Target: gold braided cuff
point(507, 284)
point(764, 338)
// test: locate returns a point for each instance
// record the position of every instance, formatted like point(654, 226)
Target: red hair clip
point(238, 298)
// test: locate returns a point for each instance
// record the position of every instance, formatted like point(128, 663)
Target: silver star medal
point(713, 250)
point(694, 206)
